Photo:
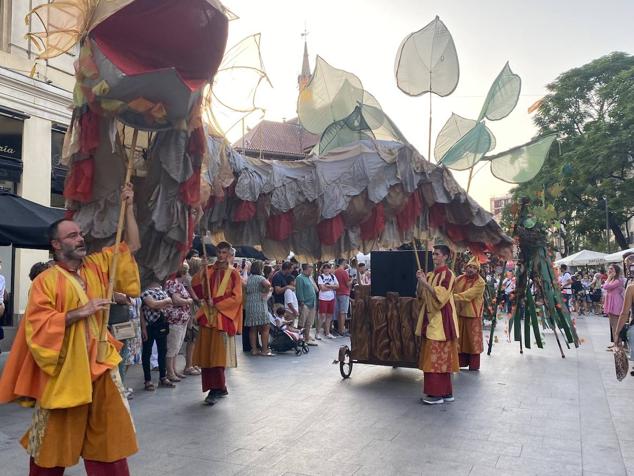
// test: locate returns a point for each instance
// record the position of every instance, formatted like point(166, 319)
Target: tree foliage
point(592, 110)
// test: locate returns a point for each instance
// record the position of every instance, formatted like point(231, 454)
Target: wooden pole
point(470, 177)
point(102, 349)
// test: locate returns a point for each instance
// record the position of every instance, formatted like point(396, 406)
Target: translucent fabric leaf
point(344, 132)
point(465, 153)
point(330, 96)
point(502, 96)
point(62, 23)
point(520, 164)
point(365, 122)
point(236, 84)
point(427, 61)
point(455, 129)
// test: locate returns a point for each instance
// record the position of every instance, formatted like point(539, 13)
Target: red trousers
point(213, 379)
point(472, 360)
point(437, 385)
point(93, 468)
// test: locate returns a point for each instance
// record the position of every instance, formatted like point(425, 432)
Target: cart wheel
point(298, 351)
point(305, 348)
point(345, 362)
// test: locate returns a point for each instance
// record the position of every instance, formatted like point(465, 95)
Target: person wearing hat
point(219, 318)
point(468, 294)
point(438, 324)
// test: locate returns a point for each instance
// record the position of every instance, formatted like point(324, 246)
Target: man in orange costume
point(438, 325)
point(80, 409)
point(219, 317)
point(468, 295)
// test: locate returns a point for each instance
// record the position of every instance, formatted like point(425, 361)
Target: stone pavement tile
point(296, 462)
point(516, 438)
point(388, 471)
point(539, 466)
point(481, 470)
point(562, 444)
point(603, 460)
point(198, 467)
point(550, 454)
point(263, 458)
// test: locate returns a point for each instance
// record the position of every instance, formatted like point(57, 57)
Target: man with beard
point(79, 405)
point(468, 295)
point(438, 324)
point(219, 317)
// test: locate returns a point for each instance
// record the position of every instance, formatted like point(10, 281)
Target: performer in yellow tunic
point(80, 409)
point(438, 325)
point(219, 317)
point(468, 295)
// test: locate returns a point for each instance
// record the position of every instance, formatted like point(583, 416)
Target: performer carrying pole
point(438, 325)
point(219, 317)
point(469, 298)
point(80, 409)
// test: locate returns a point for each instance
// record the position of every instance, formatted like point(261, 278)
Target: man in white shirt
point(565, 283)
point(290, 299)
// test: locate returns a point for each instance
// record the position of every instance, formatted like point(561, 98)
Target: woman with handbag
point(178, 316)
point(154, 328)
point(614, 288)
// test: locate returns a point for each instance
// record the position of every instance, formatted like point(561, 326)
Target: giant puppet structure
point(138, 88)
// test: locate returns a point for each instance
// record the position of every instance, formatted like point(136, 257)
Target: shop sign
point(11, 146)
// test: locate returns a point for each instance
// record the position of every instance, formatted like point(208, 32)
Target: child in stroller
point(284, 336)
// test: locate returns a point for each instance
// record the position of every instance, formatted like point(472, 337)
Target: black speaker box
point(395, 271)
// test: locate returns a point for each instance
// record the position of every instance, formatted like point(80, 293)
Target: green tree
point(592, 110)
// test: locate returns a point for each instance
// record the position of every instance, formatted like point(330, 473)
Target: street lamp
point(607, 223)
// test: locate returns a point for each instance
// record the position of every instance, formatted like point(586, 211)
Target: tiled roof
point(284, 138)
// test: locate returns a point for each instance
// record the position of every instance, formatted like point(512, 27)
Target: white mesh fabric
point(427, 61)
point(502, 96)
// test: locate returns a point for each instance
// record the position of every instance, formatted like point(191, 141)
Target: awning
point(618, 256)
point(23, 223)
point(583, 258)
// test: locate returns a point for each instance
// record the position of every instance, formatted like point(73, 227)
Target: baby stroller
point(283, 340)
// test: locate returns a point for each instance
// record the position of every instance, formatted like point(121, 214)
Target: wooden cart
point(381, 332)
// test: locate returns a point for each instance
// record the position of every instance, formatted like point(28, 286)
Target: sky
point(540, 38)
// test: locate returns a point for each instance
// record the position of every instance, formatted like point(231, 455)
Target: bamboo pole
point(102, 349)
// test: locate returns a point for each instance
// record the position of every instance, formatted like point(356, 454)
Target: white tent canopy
point(618, 256)
point(583, 258)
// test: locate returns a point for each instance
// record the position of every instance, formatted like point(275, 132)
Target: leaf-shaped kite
point(503, 95)
point(426, 61)
point(455, 129)
point(520, 164)
point(330, 96)
point(365, 122)
point(467, 151)
point(232, 98)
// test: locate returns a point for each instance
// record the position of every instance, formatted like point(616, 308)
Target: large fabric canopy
point(365, 196)
point(583, 258)
point(618, 256)
point(23, 223)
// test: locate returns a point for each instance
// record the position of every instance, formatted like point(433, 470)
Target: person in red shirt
point(343, 296)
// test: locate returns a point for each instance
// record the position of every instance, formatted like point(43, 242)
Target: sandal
point(166, 383)
point(180, 376)
point(173, 378)
point(191, 371)
point(267, 354)
point(149, 386)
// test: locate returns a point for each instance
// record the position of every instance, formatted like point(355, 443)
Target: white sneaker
point(330, 336)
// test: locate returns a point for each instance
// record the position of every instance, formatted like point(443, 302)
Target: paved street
point(522, 414)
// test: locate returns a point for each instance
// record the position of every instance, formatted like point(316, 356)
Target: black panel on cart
point(395, 271)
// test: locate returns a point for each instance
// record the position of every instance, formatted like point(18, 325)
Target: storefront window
point(10, 151)
point(58, 171)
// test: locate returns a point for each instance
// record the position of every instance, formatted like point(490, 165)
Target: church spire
point(304, 77)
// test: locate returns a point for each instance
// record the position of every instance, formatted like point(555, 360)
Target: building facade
point(497, 204)
point(35, 111)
